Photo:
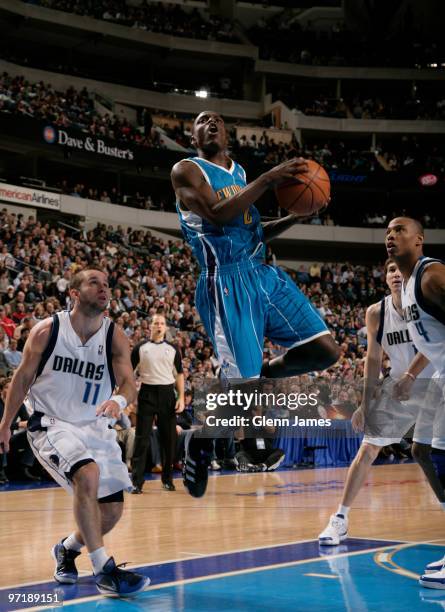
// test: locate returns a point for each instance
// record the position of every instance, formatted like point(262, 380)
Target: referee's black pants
point(154, 400)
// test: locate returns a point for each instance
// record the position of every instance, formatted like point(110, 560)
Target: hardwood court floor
point(239, 511)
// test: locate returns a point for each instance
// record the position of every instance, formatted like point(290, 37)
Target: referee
point(160, 370)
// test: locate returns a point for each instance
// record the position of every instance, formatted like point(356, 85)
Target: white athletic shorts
point(389, 420)
point(59, 445)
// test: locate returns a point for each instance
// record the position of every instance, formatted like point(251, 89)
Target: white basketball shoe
point(335, 532)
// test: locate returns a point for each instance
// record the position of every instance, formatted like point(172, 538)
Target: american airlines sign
point(24, 195)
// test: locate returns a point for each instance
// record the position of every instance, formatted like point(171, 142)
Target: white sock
point(443, 505)
point(343, 510)
point(98, 559)
point(71, 543)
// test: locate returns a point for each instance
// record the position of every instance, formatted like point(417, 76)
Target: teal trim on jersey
point(235, 242)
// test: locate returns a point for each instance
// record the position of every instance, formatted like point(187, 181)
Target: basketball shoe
point(195, 469)
point(65, 571)
point(116, 582)
point(435, 566)
point(335, 532)
point(434, 580)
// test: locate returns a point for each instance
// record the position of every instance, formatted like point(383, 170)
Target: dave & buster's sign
point(83, 142)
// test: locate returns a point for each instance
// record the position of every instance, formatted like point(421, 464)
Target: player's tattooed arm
point(433, 285)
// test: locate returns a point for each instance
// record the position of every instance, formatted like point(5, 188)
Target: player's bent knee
point(327, 352)
point(85, 477)
point(368, 453)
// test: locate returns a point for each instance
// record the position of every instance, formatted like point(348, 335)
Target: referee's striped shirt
point(158, 363)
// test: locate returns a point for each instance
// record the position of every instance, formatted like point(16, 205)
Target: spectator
point(6, 323)
point(12, 355)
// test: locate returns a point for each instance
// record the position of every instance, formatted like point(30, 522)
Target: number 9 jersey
point(72, 378)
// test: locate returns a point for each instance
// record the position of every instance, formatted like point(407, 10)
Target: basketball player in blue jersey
point(423, 302)
point(241, 299)
point(70, 367)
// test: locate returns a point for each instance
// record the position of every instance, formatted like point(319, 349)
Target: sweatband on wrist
point(120, 400)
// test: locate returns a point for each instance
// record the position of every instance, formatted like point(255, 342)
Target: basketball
point(307, 196)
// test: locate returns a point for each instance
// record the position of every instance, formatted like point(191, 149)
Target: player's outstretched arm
point(23, 377)
point(195, 193)
point(123, 372)
point(272, 229)
point(373, 364)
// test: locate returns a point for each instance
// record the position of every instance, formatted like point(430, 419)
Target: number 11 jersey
point(72, 378)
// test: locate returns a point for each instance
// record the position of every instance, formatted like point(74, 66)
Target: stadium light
point(201, 93)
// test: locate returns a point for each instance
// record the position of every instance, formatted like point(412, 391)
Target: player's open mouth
point(390, 246)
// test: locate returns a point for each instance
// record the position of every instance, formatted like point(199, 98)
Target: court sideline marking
point(250, 570)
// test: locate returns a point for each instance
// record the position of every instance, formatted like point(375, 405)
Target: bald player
point(423, 302)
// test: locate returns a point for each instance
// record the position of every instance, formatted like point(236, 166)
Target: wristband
point(120, 400)
point(410, 375)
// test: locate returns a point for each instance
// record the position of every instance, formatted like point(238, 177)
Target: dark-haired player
point(70, 367)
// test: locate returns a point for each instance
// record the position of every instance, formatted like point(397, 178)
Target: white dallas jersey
point(73, 378)
point(394, 337)
point(426, 323)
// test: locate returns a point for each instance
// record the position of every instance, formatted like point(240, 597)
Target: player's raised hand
point(288, 170)
point(109, 409)
point(5, 435)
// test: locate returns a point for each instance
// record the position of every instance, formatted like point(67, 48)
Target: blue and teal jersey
point(236, 242)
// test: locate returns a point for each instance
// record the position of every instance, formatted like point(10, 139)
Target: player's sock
point(443, 505)
point(71, 543)
point(98, 559)
point(343, 511)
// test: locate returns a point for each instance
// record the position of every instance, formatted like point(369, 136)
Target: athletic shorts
point(389, 420)
point(241, 304)
point(59, 446)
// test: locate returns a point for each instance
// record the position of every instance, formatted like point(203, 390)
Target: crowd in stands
point(150, 16)
point(283, 38)
point(406, 153)
point(149, 275)
point(358, 106)
point(77, 109)
point(113, 195)
point(70, 108)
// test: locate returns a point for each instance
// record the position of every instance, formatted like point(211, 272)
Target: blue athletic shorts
point(240, 304)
